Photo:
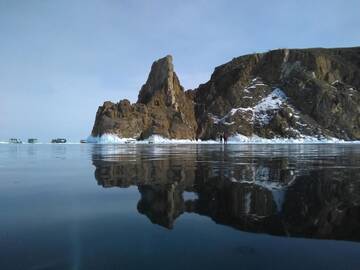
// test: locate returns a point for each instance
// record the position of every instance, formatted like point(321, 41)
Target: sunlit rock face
point(282, 93)
point(262, 195)
point(162, 108)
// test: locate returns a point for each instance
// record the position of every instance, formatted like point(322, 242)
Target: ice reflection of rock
point(258, 194)
point(270, 180)
point(162, 204)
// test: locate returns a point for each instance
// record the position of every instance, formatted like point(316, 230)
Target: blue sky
point(60, 60)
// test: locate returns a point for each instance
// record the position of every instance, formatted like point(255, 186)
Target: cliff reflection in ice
point(277, 191)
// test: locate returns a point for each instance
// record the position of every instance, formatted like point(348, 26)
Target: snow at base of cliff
point(304, 139)
point(236, 139)
point(107, 139)
point(155, 139)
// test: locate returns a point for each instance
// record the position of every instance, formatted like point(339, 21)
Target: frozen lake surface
point(180, 206)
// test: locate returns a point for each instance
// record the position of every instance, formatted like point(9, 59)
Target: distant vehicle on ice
point(14, 140)
point(32, 140)
point(58, 140)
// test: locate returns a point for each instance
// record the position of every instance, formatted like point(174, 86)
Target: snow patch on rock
point(260, 112)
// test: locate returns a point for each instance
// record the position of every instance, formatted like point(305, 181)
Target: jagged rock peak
point(161, 78)
point(163, 108)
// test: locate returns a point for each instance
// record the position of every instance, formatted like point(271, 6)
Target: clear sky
point(60, 60)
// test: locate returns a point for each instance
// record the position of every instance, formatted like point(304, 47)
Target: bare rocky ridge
point(281, 93)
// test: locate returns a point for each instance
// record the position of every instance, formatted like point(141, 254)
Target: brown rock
point(321, 85)
point(319, 96)
point(162, 108)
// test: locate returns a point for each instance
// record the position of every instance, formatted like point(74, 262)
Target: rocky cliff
point(162, 108)
point(282, 93)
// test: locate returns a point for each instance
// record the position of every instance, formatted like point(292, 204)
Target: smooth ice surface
point(179, 206)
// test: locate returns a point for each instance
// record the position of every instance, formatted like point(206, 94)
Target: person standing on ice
point(221, 138)
point(225, 138)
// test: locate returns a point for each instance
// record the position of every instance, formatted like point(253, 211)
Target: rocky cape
point(285, 93)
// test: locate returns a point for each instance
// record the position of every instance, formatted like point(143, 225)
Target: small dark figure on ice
point(225, 138)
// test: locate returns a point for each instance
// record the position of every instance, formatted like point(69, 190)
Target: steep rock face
point(283, 93)
point(162, 108)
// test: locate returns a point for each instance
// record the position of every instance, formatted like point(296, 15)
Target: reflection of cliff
point(162, 204)
point(261, 195)
point(124, 173)
point(325, 203)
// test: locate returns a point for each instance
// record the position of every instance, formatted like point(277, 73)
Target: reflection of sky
point(61, 59)
point(187, 195)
